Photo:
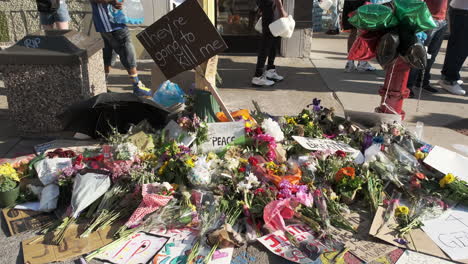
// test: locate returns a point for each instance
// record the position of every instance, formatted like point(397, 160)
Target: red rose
point(258, 131)
point(78, 160)
point(340, 154)
point(259, 190)
point(241, 169)
point(253, 161)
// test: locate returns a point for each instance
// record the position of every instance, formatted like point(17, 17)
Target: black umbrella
point(98, 115)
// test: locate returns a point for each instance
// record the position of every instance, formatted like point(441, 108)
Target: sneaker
point(350, 67)
point(365, 66)
point(430, 89)
point(141, 90)
point(411, 93)
point(452, 88)
point(262, 81)
point(273, 76)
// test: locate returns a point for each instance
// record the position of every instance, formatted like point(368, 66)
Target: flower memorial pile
point(250, 189)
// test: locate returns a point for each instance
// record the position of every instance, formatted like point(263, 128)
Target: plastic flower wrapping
point(248, 190)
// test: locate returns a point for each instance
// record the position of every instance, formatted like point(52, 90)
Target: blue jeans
point(61, 15)
point(457, 47)
point(433, 43)
point(120, 42)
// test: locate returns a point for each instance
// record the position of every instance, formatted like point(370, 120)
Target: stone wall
point(20, 17)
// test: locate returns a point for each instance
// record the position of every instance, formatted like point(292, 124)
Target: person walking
point(457, 47)
point(117, 38)
point(270, 9)
point(53, 14)
point(349, 7)
point(435, 37)
point(334, 27)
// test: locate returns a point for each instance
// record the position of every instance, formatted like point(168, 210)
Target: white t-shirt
point(459, 4)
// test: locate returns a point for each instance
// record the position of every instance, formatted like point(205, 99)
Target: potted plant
point(9, 185)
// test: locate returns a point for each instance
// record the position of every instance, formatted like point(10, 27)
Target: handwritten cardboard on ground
point(447, 161)
point(420, 241)
point(323, 144)
point(138, 248)
point(222, 134)
point(278, 244)
point(409, 257)
point(40, 250)
point(19, 221)
point(450, 232)
point(360, 243)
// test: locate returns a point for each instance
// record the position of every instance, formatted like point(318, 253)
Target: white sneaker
point(262, 81)
point(273, 75)
point(365, 66)
point(350, 67)
point(452, 88)
point(460, 82)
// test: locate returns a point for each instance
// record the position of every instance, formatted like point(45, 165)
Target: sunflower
point(447, 179)
point(401, 211)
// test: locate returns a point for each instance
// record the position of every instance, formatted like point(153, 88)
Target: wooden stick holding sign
point(215, 94)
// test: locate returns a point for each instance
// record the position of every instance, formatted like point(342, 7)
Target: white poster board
point(323, 144)
point(175, 132)
point(450, 232)
point(222, 134)
point(447, 161)
point(410, 256)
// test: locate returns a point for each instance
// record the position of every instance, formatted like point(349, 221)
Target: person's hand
point(117, 4)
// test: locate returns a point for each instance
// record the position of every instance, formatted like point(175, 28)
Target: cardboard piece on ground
point(450, 232)
point(141, 141)
point(39, 250)
point(222, 134)
point(418, 258)
point(323, 144)
point(361, 244)
point(139, 248)
point(422, 242)
point(19, 221)
point(447, 161)
point(278, 244)
point(66, 144)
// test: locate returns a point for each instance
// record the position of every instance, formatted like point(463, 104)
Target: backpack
point(48, 6)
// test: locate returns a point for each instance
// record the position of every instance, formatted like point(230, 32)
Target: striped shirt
point(101, 19)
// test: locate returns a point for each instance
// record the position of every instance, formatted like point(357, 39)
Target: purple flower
point(285, 184)
point(367, 142)
point(315, 105)
point(302, 189)
point(401, 241)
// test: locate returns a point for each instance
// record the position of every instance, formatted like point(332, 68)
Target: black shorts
point(349, 7)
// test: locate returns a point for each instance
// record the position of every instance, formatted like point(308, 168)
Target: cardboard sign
point(360, 243)
point(138, 248)
point(182, 39)
point(175, 132)
point(19, 221)
point(222, 134)
point(420, 241)
point(280, 245)
point(447, 161)
point(418, 258)
point(40, 250)
point(323, 144)
point(66, 144)
point(450, 232)
point(142, 141)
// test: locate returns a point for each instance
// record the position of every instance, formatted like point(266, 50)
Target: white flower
point(243, 186)
point(232, 164)
point(166, 185)
point(273, 129)
point(126, 151)
point(252, 179)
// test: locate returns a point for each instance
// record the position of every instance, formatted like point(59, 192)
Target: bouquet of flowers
point(9, 178)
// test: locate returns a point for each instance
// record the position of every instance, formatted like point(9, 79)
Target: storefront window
point(236, 17)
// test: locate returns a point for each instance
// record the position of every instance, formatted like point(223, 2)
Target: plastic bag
point(416, 56)
point(169, 94)
point(387, 49)
point(47, 169)
point(131, 13)
point(325, 4)
point(283, 27)
point(49, 198)
point(415, 14)
point(374, 17)
point(275, 212)
point(365, 46)
point(88, 188)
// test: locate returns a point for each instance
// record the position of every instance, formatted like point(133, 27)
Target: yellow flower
point(163, 167)
point(243, 161)
point(190, 163)
point(291, 121)
point(419, 155)
point(447, 179)
point(305, 116)
point(248, 124)
point(311, 123)
point(401, 210)
point(333, 196)
point(7, 170)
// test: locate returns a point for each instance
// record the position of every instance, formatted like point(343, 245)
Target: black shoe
point(411, 93)
point(430, 89)
point(333, 32)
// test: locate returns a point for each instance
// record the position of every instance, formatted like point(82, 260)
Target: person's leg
point(267, 40)
point(107, 52)
point(271, 73)
point(62, 17)
point(456, 51)
point(46, 20)
point(433, 48)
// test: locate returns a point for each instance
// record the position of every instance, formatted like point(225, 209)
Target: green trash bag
point(415, 14)
point(374, 17)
